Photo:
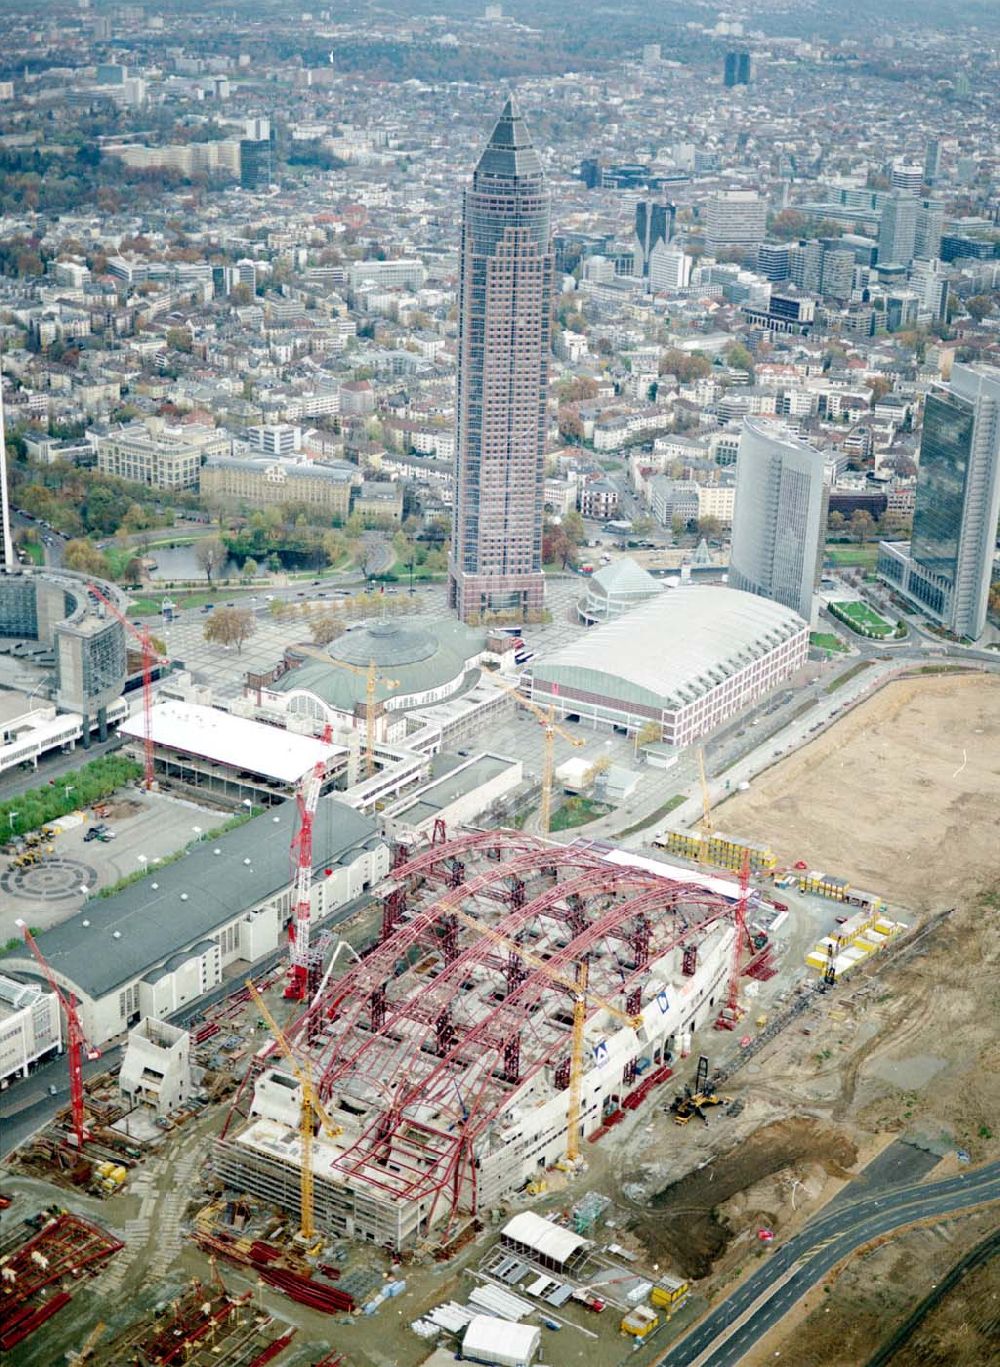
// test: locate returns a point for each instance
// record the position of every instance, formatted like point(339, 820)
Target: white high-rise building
point(779, 517)
point(735, 218)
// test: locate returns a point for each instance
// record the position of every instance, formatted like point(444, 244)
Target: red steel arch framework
point(443, 1027)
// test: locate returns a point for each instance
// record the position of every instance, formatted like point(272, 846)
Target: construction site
point(529, 1099)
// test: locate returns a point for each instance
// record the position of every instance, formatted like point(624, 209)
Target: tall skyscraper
point(505, 306)
point(736, 70)
point(898, 229)
point(734, 218)
point(932, 160)
point(653, 223)
point(927, 230)
point(779, 517)
point(945, 568)
point(255, 155)
point(8, 562)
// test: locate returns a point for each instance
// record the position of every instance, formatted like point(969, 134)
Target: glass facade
point(945, 452)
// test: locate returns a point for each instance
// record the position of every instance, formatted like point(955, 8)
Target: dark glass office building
point(504, 335)
point(947, 565)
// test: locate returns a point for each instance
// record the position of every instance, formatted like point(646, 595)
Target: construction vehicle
point(550, 730)
point(688, 1104)
point(76, 1041)
point(373, 677)
point(312, 1110)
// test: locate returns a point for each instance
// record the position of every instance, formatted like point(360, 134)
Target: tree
point(648, 734)
point(643, 525)
point(84, 557)
point(250, 568)
point(210, 555)
point(334, 547)
point(230, 627)
point(325, 627)
point(367, 555)
point(836, 521)
point(557, 548)
point(686, 366)
point(709, 527)
point(740, 358)
point(862, 525)
point(133, 571)
point(880, 386)
point(573, 526)
point(179, 339)
point(980, 306)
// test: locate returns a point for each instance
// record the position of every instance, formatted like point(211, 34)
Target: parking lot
point(148, 827)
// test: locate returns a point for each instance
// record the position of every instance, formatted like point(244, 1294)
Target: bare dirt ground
point(842, 1323)
point(900, 797)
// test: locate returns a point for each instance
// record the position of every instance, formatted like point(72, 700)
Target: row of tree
point(77, 788)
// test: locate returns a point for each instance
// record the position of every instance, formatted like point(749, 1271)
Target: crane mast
point(302, 965)
point(76, 1042)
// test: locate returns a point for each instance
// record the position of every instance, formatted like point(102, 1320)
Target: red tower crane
point(730, 1014)
point(307, 799)
point(149, 658)
point(76, 1040)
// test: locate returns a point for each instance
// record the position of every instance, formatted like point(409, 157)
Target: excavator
point(694, 1101)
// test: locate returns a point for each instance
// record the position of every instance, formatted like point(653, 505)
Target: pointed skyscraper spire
point(509, 152)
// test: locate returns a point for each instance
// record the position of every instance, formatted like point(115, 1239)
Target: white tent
point(499, 1342)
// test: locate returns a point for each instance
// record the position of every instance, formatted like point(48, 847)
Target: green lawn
point(826, 640)
point(577, 811)
point(841, 679)
point(862, 618)
point(35, 552)
point(148, 606)
point(653, 817)
point(842, 555)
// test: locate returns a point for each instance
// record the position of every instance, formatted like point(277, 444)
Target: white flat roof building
point(237, 743)
point(688, 660)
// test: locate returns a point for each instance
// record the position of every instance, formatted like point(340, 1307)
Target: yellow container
point(640, 1322)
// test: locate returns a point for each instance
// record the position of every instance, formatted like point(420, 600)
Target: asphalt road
point(809, 1256)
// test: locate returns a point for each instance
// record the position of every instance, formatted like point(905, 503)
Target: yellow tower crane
point(550, 729)
point(311, 1107)
point(372, 678)
point(581, 996)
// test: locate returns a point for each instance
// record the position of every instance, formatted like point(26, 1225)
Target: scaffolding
point(64, 1247)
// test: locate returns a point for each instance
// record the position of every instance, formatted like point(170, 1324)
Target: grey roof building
point(180, 913)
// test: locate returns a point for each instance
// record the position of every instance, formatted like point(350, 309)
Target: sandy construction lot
point(900, 797)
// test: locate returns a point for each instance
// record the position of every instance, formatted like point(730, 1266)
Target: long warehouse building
point(687, 661)
point(160, 943)
point(444, 1058)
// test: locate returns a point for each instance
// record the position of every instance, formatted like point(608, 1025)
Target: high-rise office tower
point(907, 176)
point(805, 265)
point(898, 229)
point(736, 70)
point(779, 517)
point(932, 161)
point(928, 229)
point(946, 566)
point(255, 155)
point(505, 306)
point(735, 218)
point(653, 223)
point(8, 563)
